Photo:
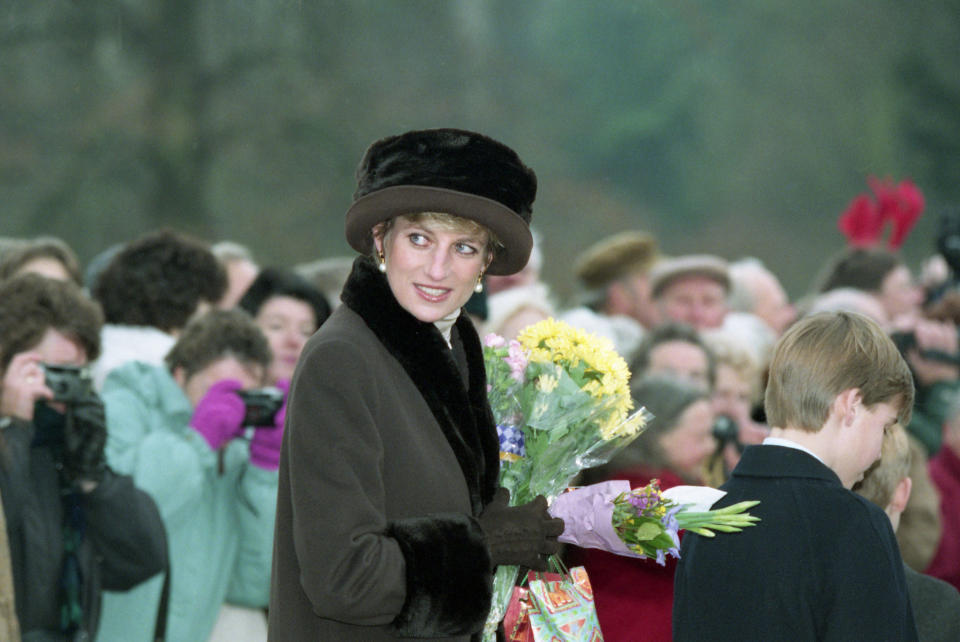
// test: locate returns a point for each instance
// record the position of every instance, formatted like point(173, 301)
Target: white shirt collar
point(445, 325)
point(786, 443)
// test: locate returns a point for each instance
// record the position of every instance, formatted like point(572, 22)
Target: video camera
point(262, 405)
point(68, 383)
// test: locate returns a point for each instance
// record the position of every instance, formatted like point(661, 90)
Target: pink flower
point(493, 340)
point(517, 360)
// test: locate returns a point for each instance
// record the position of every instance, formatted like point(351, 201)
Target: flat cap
point(614, 257)
point(669, 270)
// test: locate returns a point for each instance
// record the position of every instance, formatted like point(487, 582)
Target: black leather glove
point(524, 535)
point(84, 439)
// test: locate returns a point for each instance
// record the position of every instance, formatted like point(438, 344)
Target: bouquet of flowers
point(645, 522)
point(561, 400)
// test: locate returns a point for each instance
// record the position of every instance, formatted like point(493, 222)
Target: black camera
point(68, 383)
point(907, 341)
point(726, 431)
point(262, 405)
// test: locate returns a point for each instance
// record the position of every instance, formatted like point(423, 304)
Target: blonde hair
point(880, 481)
point(449, 222)
point(727, 352)
point(824, 354)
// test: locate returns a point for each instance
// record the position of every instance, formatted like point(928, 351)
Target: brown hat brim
point(381, 205)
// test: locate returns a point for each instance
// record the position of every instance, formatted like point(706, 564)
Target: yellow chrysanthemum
point(607, 374)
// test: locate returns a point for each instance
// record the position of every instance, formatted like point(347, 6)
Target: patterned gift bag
point(516, 621)
point(561, 608)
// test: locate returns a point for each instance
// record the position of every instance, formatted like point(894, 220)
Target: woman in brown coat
point(389, 517)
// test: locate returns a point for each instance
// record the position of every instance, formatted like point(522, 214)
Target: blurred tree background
point(739, 127)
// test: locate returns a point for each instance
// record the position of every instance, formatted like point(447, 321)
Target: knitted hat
point(450, 171)
point(615, 256)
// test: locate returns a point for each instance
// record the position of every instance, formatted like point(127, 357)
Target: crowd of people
point(200, 447)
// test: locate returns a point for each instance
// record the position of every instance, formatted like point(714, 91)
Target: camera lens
point(725, 429)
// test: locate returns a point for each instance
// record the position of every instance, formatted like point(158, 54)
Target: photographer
point(736, 389)
point(74, 527)
point(179, 431)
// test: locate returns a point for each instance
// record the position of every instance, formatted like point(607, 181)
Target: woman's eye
point(463, 248)
point(418, 239)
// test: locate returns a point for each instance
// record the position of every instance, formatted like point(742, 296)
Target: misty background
point(741, 128)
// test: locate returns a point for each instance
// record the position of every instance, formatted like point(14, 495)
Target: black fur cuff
point(449, 583)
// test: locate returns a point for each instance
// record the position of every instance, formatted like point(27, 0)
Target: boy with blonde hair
point(823, 563)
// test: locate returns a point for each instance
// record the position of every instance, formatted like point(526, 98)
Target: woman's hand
point(23, 384)
point(218, 416)
point(525, 535)
point(267, 441)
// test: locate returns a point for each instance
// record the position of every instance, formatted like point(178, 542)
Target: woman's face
point(898, 293)
point(432, 270)
point(196, 385)
point(731, 394)
point(691, 441)
point(287, 323)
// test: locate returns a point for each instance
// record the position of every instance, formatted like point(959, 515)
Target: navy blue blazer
point(823, 564)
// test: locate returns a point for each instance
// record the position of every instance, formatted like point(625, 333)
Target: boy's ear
point(847, 405)
point(901, 494)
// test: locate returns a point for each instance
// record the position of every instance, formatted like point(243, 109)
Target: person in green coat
point(179, 431)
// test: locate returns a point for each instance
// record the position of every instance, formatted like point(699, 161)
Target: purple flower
point(670, 524)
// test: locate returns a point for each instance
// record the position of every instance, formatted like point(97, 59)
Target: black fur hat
point(452, 171)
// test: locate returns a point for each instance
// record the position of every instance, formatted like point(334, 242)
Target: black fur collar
point(464, 415)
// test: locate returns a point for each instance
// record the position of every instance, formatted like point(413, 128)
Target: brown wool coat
point(376, 536)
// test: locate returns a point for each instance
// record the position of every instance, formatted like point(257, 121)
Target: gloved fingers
point(553, 527)
point(90, 408)
point(501, 497)
point(551, 547)
point(540, 563)
point(225, 385)
point(539, 502)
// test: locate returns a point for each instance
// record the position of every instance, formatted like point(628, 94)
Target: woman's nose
point(437, 269)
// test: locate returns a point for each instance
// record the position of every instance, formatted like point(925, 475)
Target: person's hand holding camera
point(23, 384)
point(524, 535)
point(76, 431)
point(218, 416)
point(934, 336)
point(84, 439)
point(267, 441)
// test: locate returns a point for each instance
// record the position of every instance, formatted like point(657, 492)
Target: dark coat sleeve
point(127, 532)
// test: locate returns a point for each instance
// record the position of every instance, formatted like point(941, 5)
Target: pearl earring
point(382, 266)
point(478, 288)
